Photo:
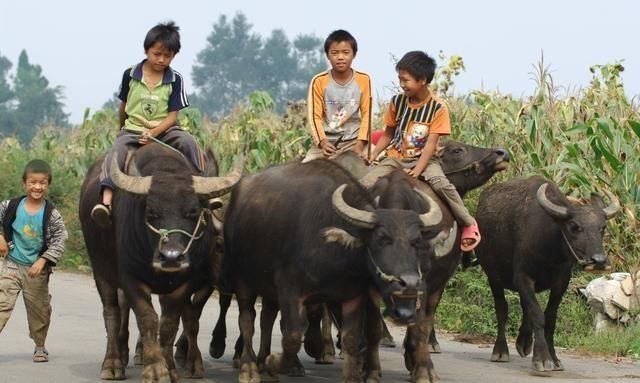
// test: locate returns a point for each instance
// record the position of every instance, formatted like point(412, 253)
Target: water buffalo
point(302, 233)
point(532, 237)
point(467, 167)
point(161, 242)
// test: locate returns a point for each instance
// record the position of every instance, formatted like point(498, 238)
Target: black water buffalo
point(162, 241)
point(467, 167)
point(532, 237)
point(301, 233)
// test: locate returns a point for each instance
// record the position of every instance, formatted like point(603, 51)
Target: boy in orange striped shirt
point(414, 122)
point(339, 101)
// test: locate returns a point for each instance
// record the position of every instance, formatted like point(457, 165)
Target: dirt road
point(77, 342)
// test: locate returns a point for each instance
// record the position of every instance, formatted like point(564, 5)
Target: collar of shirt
point(168, 77)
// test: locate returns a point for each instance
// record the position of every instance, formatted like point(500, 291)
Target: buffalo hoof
point(216, 347)
point(434, 348)
point(500, 352)
point(313, 342)
point(424, 375)
point(557, 366)
point(182, 348)
point(499, 357)
point(543, 365)
point(194, 367)
point(249, 373)
point(156, 373)
point(387, 342)
point(112, 369)
point(112, 374)
point(524, 344)
point(327, 358)
point(373, 376)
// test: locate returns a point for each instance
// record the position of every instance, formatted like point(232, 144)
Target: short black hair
point(419, 65)
point(166, 34)
point(37, 166)
point(339, 36)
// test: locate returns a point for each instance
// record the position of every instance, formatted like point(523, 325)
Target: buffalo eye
point(383, 239)
point(192, 214)
point(151, 214)
point(416, 241)
point(575, 228)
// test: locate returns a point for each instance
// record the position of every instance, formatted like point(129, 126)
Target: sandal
point(101, 214)
point(470, 232)
point(40, 355)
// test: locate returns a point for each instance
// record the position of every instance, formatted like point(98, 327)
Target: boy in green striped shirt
point(152, 94)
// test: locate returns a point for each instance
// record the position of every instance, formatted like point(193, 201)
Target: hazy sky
point(85, 46)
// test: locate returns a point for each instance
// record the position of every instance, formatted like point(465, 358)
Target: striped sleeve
point(56, 237)
point(178, 98)
point(364, 81)
point(315, 107)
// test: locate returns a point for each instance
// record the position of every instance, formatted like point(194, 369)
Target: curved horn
point(131, 184)
point(211, 187)
point(550, 207)
point(360, 218)
point(434, 216)
point(443, 242)
point(614, 205)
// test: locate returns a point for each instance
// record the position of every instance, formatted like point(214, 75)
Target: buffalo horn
point(434, 215)
point(132, 184)
point(443, 242)
point(614, 205)
point(550, 207)
point(211, 187)
point(360, 218)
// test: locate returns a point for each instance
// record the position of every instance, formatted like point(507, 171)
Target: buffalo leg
point(352, 320)
point(112, 367)
point(551, 314)
point(500, 349)
point(123, 333)
point(291, 309)
point(542, 360)
point(417, 356)
point(155, 367)
point(268, 315)
point(433, 299)
point(187, 351)
point(172, 307)
point(246, 304)
point(524, 341)
point(219, 334)
point(318, 341)
point(373, 332)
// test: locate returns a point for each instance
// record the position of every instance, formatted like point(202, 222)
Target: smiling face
point(412, 87)
point(159, 57)
point(36, 185)
point(340, 55)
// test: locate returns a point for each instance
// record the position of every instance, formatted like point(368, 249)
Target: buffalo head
point(582, 227)
point(176, 210)
point(393, 239)
point(467, 166)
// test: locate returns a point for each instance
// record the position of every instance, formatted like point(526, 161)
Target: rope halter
point(164, 233)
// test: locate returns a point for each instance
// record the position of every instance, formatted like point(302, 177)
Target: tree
point(7, 120)
point(37, 103)
point(237, 62)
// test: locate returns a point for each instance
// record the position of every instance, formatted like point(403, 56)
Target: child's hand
point(145, 136)
point(4, 249)
point(412, 172)
point(37, 268)
point(327, 148)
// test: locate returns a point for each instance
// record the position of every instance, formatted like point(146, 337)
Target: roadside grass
point(467, 307)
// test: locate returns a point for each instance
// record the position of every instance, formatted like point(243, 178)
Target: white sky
point(84, 46)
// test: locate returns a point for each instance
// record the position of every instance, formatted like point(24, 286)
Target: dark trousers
point(125, 141)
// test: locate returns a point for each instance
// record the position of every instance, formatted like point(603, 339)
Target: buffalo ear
point(342, 237)
point(597, 201)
